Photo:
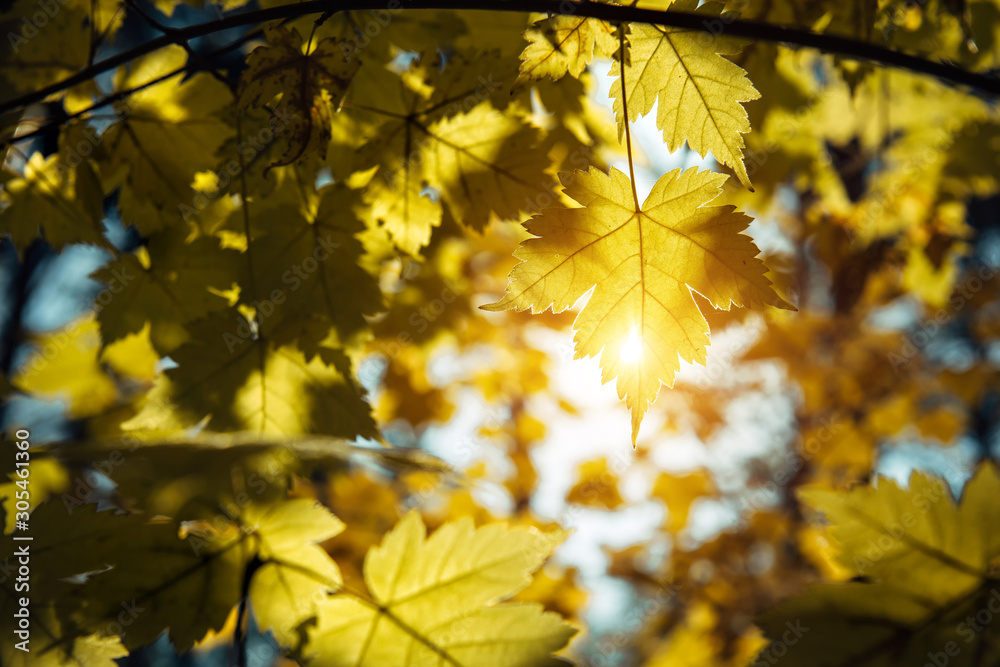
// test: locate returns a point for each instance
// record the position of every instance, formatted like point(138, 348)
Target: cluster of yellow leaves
point(643, 262)
point(266, 285)
point(72, 366)
point(435, 140)
point(861, 388)
point(429, 598)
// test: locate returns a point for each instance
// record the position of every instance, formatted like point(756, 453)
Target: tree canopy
point(307, 308)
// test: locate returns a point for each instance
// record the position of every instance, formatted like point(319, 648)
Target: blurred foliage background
point(875, 206)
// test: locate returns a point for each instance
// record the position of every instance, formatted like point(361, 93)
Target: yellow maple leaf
point(296, 572)
point(561, 44)
point(698, 90)
point(432, 601)
point(312, 85)
point(166, 133)
point(55, 199)
point(643, 263)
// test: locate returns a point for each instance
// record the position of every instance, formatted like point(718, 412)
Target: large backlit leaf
point(642, 263)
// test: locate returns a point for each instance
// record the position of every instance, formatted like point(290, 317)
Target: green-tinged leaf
point(52, 198)
point(165, 284)
point(433, 601)
point(925, 568)
point(167, 133)
point(241, 381)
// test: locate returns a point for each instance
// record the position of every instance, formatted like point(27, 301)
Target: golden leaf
point(698, 90)
point(642, 263)
point(433, 601)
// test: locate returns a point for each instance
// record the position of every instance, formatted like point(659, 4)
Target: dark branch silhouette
point(753, 30)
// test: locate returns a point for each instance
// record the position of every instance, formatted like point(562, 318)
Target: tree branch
point(753, 30)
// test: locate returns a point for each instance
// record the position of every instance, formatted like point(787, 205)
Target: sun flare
point(632, 349)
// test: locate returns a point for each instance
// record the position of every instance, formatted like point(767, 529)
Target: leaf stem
point(628, 132)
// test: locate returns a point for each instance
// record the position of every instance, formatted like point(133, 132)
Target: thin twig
point(120, 95)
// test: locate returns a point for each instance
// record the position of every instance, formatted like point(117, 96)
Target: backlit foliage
point(323, 388)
